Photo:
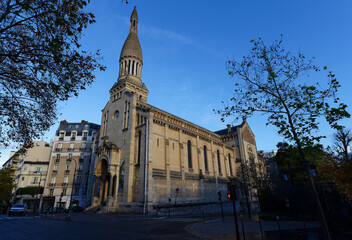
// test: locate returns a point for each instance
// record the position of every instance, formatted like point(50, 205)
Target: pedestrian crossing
point(5, 217)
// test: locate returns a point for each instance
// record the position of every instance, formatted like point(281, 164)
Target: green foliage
point(6, 183)
point(289, 161)
point(273, 81)
point(40, 63)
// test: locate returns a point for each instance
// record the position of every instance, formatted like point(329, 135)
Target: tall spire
point(134, 21)
point(131, 58)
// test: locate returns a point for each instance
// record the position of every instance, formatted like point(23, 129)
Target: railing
point(67, 172)
point(61, 138)
point(64, 184)
point(71, 149)
point(43, 173)
point(58, 149)
point(57, 160)
point(84, 138)
point(54, 171)
point(73, 138)
point(51, 184)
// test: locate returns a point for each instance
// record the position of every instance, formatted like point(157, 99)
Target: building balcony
point(58, 149)
point(84, 138)
point(64, 184)
point(61, 138)
point(54, 172)
point(57, 160)
point(73, 138)
point(71, 149)
point(51, 184)
point(67, 172)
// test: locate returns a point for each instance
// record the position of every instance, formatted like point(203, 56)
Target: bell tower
point(130, 63)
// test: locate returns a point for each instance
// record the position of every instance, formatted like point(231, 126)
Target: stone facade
point(69, 167)
point(30, 173)
point(146, 156)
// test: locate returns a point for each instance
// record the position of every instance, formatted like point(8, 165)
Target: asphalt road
point(89, 227)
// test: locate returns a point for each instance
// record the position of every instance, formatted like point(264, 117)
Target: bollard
point(278, 225)
point(244, 235)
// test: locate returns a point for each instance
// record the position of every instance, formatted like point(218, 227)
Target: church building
point(146, 156)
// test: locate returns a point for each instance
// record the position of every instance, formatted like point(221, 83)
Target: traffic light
point(229, 196)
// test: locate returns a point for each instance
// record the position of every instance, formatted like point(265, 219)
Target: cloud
point(162, 34)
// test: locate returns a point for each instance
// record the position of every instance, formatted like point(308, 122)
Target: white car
point(18, 208)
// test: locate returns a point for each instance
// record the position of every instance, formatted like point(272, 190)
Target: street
point(92, 226)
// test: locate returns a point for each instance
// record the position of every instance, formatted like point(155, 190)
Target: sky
point(185, 45)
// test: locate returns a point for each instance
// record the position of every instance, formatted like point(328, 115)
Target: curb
point(188, 229)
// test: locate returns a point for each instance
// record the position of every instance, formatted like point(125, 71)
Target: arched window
point(251, 156)
point(205, 158)
point(132, 68)
point(122, 176)
point(139, 146)
point(218, 156)
point(230, 164)
point(189, 151)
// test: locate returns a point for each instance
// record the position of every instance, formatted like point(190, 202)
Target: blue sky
point(185, 46)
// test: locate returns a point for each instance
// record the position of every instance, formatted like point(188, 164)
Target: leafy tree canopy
point(271, 80)
point(6, 183)
point(40, 63)
point(289, 161)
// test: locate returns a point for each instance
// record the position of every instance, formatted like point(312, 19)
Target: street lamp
point(40, 179)
point(73, 183)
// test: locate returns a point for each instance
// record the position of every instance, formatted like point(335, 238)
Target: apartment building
point(69, 166)
point(30, 173)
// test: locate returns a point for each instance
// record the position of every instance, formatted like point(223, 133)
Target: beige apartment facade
point(69, 167)
point(30, 173)
point(146, 156)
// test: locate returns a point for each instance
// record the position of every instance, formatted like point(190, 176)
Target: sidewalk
point(225, 230)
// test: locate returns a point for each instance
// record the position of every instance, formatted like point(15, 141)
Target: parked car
point(18, 209)
point(77, 209)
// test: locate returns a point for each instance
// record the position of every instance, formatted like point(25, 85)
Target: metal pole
point(261, 227)
point(222, 209)
point(73, 183)
point(278, 225)
point(246, 190)
point(244, 234)
point(233, 194)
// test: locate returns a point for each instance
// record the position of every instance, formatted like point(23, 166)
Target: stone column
point(117, 171)
point(167, 163)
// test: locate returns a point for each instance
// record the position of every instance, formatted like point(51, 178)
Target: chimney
point(228, 128)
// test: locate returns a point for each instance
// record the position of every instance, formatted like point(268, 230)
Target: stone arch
point(102, 181)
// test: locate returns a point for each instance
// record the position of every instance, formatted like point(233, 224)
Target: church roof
point(226, 131)
point(132, 47)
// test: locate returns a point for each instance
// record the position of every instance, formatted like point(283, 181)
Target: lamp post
point(73, 183)
point(40, 179)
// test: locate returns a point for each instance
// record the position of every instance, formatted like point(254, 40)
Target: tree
point(41, 63)
point(342, 140)
point(288, 160)
point(6, 184)
point(272, 81)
